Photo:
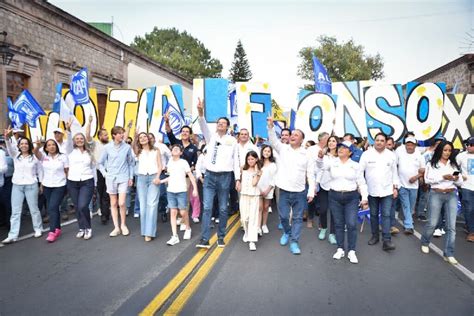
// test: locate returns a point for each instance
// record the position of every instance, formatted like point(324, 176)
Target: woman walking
point(266, 185)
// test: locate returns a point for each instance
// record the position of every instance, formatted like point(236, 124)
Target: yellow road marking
point(179, 303)
point(179, 278)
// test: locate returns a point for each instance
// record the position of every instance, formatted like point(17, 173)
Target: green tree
point(240, 70)
point(180, 52)
point(345, 61)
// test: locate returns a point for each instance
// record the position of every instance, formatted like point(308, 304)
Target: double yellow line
point(180, 301)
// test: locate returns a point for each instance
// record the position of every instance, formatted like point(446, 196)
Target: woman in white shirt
point(55, 167)
point(148, 183)
point(266, 185)
point(346, 182)
point(25, 185)
point(81, 182)
point(442, 173)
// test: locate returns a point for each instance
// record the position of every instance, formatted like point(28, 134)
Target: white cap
point(411, 140)
point(58, 130)
point(17, 130)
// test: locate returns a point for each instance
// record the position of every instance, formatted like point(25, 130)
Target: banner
point(80, 86)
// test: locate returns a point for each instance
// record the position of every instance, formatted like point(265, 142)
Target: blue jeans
point(468, 208)
point(422, 206)
point(54, 197)
point(408, 200)
point(81, 194)
point(148, 193)
point(344, 207)
point(295, 201)
point(384, 204)
point(19, 193)
point(215, 183)
point(436, 202)
point(393, 209)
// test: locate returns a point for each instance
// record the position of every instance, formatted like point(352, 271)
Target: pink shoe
point(51, 237)
point(57, 232)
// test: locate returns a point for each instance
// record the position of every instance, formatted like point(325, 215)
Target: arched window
point(16, 83)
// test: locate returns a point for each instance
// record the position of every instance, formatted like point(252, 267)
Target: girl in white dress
point(266, 185)
point(250, 198)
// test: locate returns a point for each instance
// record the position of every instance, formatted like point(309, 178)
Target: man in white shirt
point(380, 167)
point(219, 163)
point(410, 170)
point(294, 168)
point(465, 160)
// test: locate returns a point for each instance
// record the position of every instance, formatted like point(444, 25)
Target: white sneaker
point(252, 246)
point(173, 241)
point(217, 221)
point(187, 234)
point(178, 221)
point(265, 229)
point(80, 233)
point(88, 234)
point(443, 233)
point(451, 260)
point(437, 233)
point(99, 212)
point(270, 210)
point(260, 233)
point(182, 227)
point(196, 220)
point(339, 254)
point(38, 233)
point(9, 240)
point(425, 249)
point(136, 215)
point(351, 255)
point(126, 212)
point(245, 238)
point(91, 214)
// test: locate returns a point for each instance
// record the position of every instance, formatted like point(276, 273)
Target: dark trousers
point(54, 197)
point(344, 207)
point(233, 197)
point(163, 200)
point(323, 198)
point(5, 202)
point(104, 199)
point(384, 206)
point(81, 194)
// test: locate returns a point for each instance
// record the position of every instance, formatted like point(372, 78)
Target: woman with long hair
point(148, 183)
point(81, 182)
point(324, 179)
point(266, 185)
point(25, 185)
point(442, 173)
point(55, 168)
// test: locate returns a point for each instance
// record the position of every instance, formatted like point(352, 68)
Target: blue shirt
point(356, 153)
point(117, 162)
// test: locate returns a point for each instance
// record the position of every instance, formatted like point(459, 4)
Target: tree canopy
point(179, 51)
point(344, 61)
point(240, 70)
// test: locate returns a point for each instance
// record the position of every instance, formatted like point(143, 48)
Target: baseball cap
point(17, 130)
point(410, 140)
point(470, 141)
point(346, 144)
point(58, 130)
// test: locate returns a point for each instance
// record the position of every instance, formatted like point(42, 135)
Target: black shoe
point(104, 220)
point(388, 245)
point(220, 243)
point(422, 218)
point(203, 244)
point(374, 240)
point(164, 217)
point(409, 231)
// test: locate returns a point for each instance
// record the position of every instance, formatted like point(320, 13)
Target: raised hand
point(200, 107)
point(270, 121)
point(68, 125)
point(7, 131)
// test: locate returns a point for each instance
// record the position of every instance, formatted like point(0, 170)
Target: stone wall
point(460, 74)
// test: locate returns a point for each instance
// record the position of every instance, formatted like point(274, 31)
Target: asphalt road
point(122, 275)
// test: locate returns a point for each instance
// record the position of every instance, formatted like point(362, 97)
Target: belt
point(443, 190)
point(344, 191)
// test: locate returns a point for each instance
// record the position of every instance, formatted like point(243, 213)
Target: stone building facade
point(50, 45)
point(459, 71)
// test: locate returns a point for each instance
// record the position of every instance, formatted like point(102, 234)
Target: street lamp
point(5, 51)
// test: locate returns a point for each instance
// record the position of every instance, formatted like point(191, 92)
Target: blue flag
point(322, 82)
point(80, 87)
point(29, 107)
point(16, 118)
point(57, 98)
point(176, 119)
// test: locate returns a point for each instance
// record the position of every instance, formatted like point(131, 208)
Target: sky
point(413, 37)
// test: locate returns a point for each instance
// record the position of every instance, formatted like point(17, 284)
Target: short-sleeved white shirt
point(177, 170)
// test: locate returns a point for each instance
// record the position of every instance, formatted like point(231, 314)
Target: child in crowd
point(177, 190)
point(250, 198)
point(266, 185)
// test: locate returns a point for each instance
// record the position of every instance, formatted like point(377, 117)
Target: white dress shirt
point(434, 176)
point(294, 167)
point(164, 152)
point(344, 176)
point(200, 166)
point(409, 166)
point(3, 166)
point(82, 166)
point(380, 171)
point(240, 153)
point(465, 161)
point(220, 150)
point(53, 170)
point(27, 168)
point(324, 176)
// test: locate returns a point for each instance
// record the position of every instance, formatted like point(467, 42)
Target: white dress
point(249, 205)
point(268, 179)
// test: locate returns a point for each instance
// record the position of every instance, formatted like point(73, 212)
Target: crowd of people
point(207, 181)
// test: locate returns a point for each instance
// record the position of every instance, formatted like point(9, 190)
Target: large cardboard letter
point(254, 104)
point(458, 119)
